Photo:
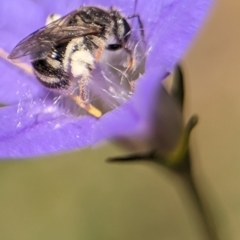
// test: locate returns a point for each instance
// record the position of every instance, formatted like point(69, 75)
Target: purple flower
point(31, 125)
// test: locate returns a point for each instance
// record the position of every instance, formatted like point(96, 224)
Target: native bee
point(64, 52)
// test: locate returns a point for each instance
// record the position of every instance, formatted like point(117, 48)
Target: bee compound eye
point(114, 47)
point(126, 29)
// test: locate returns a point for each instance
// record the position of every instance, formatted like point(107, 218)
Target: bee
point(64, 52)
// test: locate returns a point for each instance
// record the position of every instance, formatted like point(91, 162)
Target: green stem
point(186, 175)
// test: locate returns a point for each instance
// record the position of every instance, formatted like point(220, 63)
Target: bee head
point(122, 28)
point(121, 31)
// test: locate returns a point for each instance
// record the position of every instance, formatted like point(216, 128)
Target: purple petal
point(15, 25)
point(41, 130)
point(17, 85)
point(32, 130)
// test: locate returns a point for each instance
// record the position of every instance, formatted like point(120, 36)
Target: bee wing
point(38, 44)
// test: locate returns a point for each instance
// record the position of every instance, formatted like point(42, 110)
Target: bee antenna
point(135, 6)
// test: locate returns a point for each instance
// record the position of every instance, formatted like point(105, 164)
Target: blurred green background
point(79, 196)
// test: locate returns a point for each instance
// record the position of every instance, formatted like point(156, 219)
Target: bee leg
point(23, 66)
point(132, 86)
point(84, 96)
point(82, 99)
point(98, 54)
point(131, 62)
point(140, 24)
point(101, 46)
point(88, 107)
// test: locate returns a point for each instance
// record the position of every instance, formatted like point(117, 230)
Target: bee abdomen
point(51, 74)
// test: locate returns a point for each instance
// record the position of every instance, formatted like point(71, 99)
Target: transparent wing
point(39, 43)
